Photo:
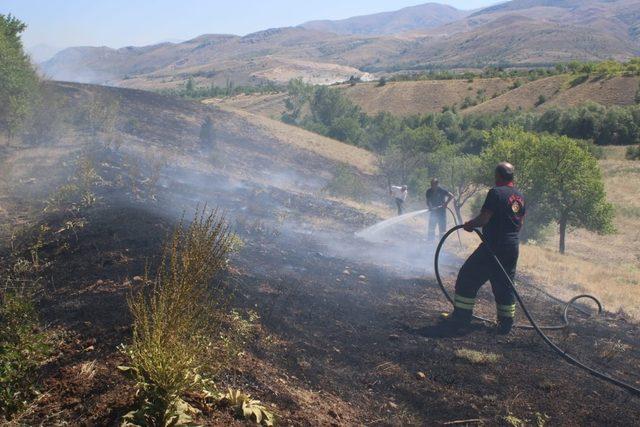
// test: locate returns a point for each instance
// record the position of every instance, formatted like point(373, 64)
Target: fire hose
point(534, 325)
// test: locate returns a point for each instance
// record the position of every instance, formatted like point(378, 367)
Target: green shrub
point(541, 100)
point(24, 345)
point(633, 152)
point(182, 333)
point(578, 80)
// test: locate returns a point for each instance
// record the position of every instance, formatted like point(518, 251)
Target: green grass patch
point(477, 357)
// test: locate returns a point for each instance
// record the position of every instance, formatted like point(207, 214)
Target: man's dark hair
point(505, 171)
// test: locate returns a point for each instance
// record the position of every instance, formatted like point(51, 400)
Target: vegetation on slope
point(600, 69)
point(192, 91)
point(447, 144)
point(18, 81)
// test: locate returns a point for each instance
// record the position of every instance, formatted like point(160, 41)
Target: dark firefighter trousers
point(399, 203)
point(475, 272)
point(437, 218)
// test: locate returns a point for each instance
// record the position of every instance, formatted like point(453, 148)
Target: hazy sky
point(118, 23)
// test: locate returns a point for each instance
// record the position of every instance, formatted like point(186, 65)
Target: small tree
point(382, 81)
point(458, 173)
point(207, 133)
point(560, 178)
point(190, 86)
point(299, 94)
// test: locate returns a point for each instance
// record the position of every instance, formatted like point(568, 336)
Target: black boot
point(457, 321)
point(504, 326)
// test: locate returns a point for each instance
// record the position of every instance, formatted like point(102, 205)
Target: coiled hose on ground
point(534, 325)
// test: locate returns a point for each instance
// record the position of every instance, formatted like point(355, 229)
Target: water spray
point(534, 325)
point(369, 232)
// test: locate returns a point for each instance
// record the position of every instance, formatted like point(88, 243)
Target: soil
point(343, 340)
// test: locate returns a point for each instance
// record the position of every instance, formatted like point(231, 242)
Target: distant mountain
point(520, 32)
point(42, 52)
point(420, 17)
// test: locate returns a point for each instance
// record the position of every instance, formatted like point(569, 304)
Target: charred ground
point(345, 328)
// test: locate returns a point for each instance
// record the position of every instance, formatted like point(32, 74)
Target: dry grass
point(524, 97)
point(419, 97)
point(609, 91)
point(269, 105)
point(331, 149)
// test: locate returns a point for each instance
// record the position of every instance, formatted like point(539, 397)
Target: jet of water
point(370, 232)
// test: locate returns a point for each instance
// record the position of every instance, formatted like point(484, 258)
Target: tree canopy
point(560, 177)
point(18, 80)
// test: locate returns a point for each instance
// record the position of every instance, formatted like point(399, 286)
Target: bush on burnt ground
point(183, 332)
point(24, 344)
point(23, 349)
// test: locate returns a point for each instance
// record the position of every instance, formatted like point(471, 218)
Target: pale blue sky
point(118, 23)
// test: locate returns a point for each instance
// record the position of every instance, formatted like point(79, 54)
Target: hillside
point(345, 326)
point(421, 17)
point(525, 33)
point(558, 92)
point(418, 97)
point(407, 98)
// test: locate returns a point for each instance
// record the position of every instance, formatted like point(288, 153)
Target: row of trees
point(191, 90)
point(559, 174)
point(601, 69)
point(326, 111)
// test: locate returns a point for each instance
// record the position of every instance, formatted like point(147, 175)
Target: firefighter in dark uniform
point(501, 219)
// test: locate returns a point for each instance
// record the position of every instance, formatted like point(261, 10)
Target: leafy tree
point(458, 173)
point(190, 87)
point(409, 152)
point(18, 80)
point(381, 131)
point(619, 126)
point(299, 95)
point(560, 178)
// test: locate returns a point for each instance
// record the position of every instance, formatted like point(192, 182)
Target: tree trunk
point(458, 208)
point(563, 232)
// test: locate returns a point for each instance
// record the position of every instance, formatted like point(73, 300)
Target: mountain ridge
point(424, 16)
point(520, 32)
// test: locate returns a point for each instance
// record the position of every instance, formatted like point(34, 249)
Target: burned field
point(344, 333)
